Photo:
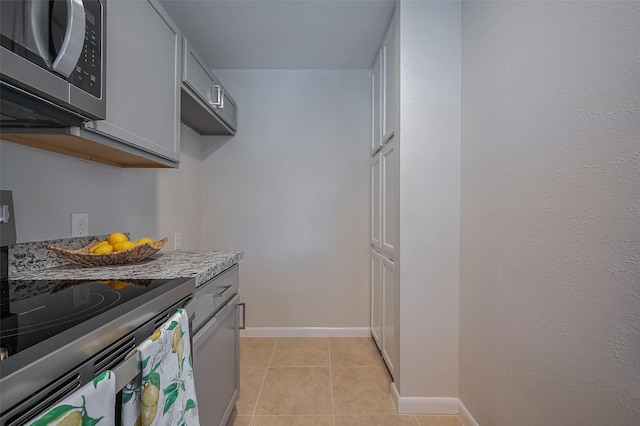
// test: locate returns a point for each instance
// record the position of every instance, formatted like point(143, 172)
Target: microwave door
point(52, 31)
point(25, 29)
point(25, 55)
point(52, 57)
point(67, 34)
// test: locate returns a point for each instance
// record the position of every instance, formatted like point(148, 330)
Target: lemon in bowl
point(123, 245)
point(117, 237)
point(103, 249)
point(145, 240)
point(100, 244)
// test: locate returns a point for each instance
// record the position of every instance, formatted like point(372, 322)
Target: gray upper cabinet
point(143, 80)
point(206, 106)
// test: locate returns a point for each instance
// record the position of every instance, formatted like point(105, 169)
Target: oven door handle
point(127, 370)
point(131, 368)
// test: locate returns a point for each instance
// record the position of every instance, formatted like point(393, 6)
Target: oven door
point(113, 357)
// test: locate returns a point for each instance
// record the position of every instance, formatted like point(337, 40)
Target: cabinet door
point(390, 343)
point(216, 366)
point(227, 110)
point(375, 201)
point(389, 181)
point(196, 76)
point(376, 298)
point(207, 107)
point(143, 78)
point(388, 86)
point(376, 104)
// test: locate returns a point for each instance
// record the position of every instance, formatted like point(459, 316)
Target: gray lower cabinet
point(216, 365)
point(206, 106)
point(143, 79)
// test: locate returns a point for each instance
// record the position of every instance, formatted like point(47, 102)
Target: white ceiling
point(283, 34)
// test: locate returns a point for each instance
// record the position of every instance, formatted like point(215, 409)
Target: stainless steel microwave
point(52, 62)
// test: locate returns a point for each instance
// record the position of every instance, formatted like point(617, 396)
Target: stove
point(58, 335)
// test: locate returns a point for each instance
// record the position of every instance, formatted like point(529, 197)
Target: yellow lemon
point(150, 394)
point(156, 335)
point(73, 419)
point(148, 414)
point(95, 246)
point(180, 350)
point(123, 245)
point(117, 285)
point(103, 249)
point(176, 338)
point(117, 237)
point(145, 240)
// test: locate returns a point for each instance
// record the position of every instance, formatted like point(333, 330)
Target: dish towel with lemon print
point(166, 395)
point(92, 404)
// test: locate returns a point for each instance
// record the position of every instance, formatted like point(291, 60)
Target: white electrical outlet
point(177, 239)
point(79, 224)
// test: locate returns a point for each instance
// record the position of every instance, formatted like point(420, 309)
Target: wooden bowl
point(133, 255)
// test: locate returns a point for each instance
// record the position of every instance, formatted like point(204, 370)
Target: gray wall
point(291, 189)
point(550, 213)
point(47, 187)
point(430, 60)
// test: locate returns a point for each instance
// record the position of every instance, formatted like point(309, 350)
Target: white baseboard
point(394, 393)
point(465, 417)
point(431, 405)
point(306, 332)
point(427, 405)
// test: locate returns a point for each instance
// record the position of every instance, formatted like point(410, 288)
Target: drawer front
point(212, 295)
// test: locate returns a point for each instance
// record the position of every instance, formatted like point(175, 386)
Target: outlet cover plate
point(79, 224)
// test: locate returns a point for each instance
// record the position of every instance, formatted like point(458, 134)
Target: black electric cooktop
point(34, 311)
point(56, 336)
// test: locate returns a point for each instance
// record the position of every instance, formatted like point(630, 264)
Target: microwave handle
point(73, 42)
point(38, 23)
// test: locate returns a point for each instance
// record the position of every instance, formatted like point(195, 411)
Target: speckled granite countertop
point(203, 265)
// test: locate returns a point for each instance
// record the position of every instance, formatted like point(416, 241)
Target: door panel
point(376, 298)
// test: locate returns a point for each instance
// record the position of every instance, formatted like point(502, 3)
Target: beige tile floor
point(319, 382)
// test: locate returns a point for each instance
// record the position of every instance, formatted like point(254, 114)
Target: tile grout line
point(333, 405)
point(264, 379)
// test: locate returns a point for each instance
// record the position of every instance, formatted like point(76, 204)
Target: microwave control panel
point(88, 71)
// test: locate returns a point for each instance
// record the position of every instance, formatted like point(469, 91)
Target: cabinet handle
point(388, 138)
point(4, 214)
point(218, 91)
point(210, 100)
point(244, 318)
point(220, 293)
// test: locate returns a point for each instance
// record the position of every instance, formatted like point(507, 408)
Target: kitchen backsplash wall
point(48, 187)
point(291, 189)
